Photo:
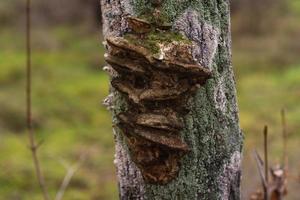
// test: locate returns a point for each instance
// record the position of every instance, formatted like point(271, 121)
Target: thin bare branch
point(266, 153)
point(67, 179)
point(284, 137)
point(260, 167)
point(33, 145)
point(266, 159)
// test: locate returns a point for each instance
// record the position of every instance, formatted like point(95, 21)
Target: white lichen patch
point(220, 97)
point(108, 101)
point(230, 175)
point(113, 15)
point(110, 71)
point(204, 36)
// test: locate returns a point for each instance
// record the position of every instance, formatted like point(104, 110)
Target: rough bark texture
point(211, 170)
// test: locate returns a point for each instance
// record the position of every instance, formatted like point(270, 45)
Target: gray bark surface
point(211, 170)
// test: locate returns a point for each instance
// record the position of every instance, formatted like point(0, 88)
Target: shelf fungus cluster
point(156, 73)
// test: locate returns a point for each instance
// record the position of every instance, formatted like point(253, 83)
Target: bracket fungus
point(157, 74)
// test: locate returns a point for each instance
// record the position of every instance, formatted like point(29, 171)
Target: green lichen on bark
point(212, 129)
point(171, 9)
point(212, 144)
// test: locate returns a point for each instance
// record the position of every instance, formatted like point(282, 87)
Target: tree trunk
point(211, 168)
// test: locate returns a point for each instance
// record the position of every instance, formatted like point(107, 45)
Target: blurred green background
point(69, 85)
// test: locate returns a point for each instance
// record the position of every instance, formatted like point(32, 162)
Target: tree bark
point(211, 169)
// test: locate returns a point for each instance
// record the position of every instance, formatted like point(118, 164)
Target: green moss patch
point(151, 40)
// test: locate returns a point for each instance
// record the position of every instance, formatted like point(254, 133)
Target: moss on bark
point(212, 169)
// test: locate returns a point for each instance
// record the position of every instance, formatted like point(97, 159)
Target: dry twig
point(33, 145)
point(266, 161)
point(276, 188)
point(284, 137)
point(67, 179)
